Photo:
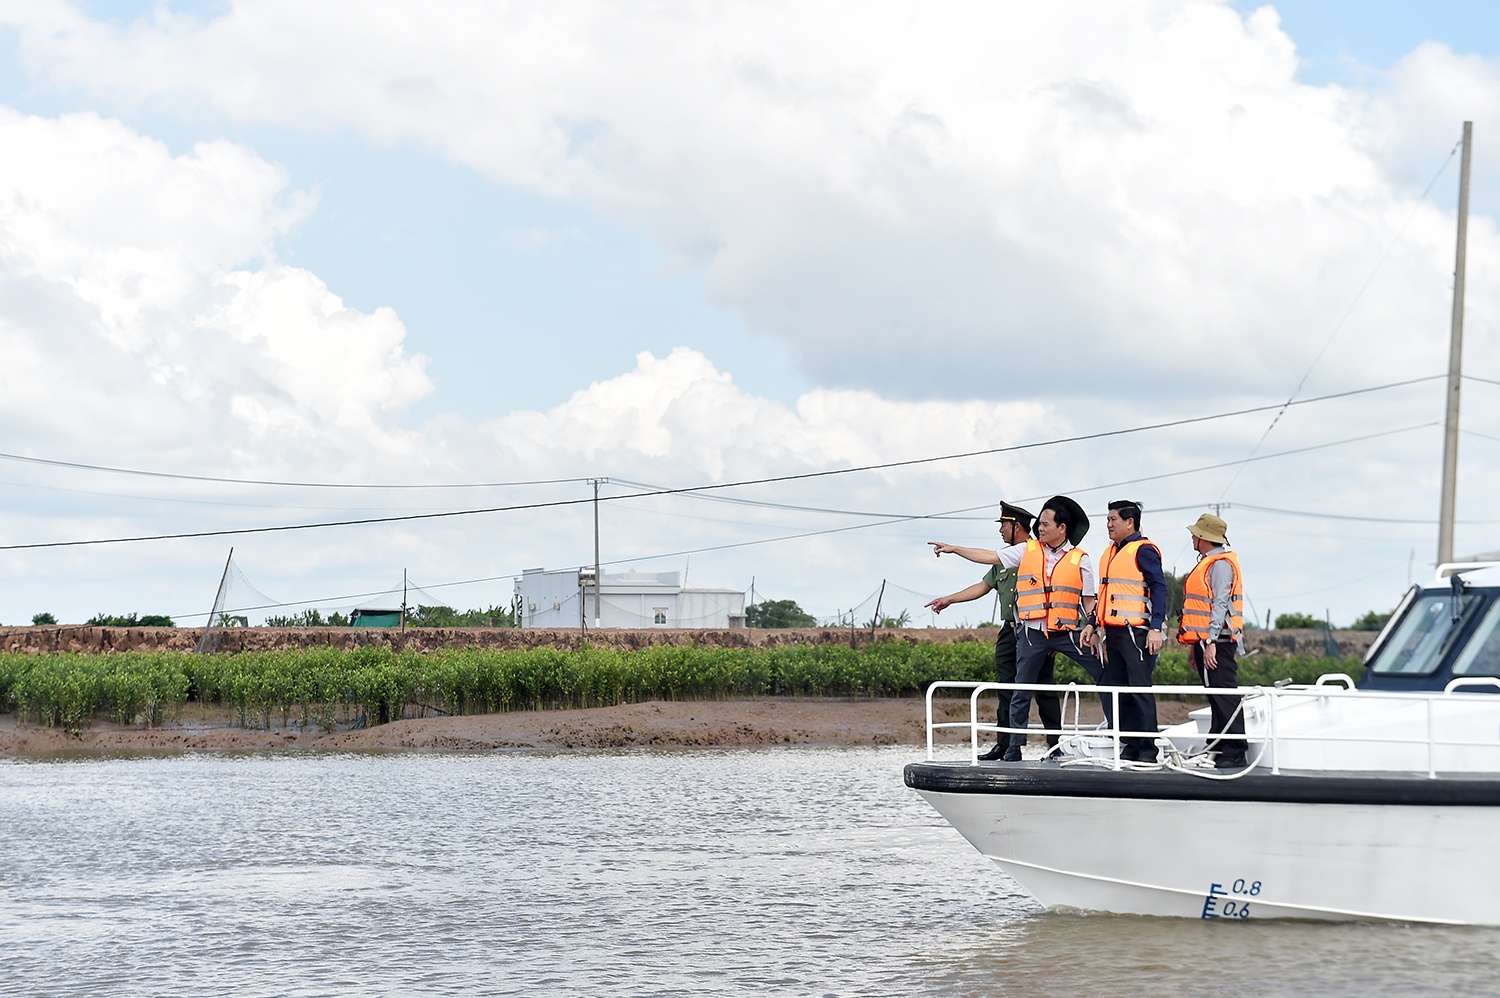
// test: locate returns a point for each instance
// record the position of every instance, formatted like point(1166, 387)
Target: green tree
point(1372, 621)
point(1293, 621)
point(900, 620)
point(1174, 601)
point(43, 618)
point(130, 620)
point(444, 616)
point(307, 618)
point(778, 613)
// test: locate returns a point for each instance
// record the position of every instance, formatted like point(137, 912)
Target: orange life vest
point(1057, 601)
point(1123, 599)
point(1198, 601)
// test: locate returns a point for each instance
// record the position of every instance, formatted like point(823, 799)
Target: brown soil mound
point(697, 724)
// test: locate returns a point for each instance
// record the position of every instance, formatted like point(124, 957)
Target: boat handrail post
point(1114, 699)
point(1271, 723)
point(1431, 755)
point(974, 725)
point(931, 689)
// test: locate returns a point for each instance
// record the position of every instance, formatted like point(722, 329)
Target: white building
point(565, 598)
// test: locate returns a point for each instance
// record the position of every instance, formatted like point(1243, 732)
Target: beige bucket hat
point(1210, 528)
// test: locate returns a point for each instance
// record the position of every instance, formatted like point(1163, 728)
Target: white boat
point(1377, 802)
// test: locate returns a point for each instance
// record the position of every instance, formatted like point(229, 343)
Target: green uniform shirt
point(1003, 581)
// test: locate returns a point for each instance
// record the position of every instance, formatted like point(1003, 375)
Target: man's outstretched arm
point(973, 592)
point(979, 556)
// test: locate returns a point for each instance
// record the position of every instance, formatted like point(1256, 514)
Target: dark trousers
point(1127, 663)
point(1048, 705)
point(1226, 675)
point(1033, 646)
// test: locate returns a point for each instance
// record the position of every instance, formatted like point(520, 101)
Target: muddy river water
point(771, 871)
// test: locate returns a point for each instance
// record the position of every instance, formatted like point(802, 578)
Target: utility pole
point(403, 602)
point(1455, 362)
point(598, 579)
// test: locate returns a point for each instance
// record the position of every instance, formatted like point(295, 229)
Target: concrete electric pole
point(1455, 362)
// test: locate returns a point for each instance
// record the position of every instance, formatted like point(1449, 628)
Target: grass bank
point(328, 687)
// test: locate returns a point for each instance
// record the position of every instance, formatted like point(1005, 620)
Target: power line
point(1338, 585)
point(618, 561)
point(886, 519)
point(1229, 464)
point(1341, 516)
point(1358, 296)
point(199, 502)
point(261, 481)
point(804, 476)
point(740, 501)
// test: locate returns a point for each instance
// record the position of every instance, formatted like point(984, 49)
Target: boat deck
point(1050, 779)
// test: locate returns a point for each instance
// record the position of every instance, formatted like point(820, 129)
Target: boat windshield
point(1425, 635)
point(1481, 656)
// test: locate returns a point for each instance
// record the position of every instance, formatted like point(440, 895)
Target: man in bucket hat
point(1212, 623)
point(1015, 529)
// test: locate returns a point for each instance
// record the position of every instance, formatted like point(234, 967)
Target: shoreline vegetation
point(467, 697)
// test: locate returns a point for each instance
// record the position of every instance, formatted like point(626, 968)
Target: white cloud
point(140, 287)
point(1118, 210)
point(905, 197)
point(680, 418)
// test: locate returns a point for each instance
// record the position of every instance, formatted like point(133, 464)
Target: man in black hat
point(1055, 592)
point(1015, 529)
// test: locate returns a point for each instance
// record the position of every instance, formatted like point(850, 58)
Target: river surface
point(780, 871)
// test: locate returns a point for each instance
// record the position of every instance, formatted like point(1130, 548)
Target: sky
point(409, 260)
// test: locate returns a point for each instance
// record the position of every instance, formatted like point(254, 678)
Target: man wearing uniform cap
point(1212, 624)
point(1015, 529)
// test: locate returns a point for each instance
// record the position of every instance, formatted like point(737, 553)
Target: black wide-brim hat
point(1016, 513)
point(1080, 518)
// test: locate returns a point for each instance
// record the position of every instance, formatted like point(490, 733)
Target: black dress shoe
point(1012, 754)
point(992, 753)
point(1229, 762)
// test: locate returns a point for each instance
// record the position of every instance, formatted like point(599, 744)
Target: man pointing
point(1015, 530)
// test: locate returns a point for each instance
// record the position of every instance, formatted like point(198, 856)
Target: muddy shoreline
point(653, 725)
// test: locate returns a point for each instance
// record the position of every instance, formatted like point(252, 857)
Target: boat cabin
point(1444, 630)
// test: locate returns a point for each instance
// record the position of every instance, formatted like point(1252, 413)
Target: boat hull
point(1321, 847)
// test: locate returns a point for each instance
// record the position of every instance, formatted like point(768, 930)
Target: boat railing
point(1335, 684)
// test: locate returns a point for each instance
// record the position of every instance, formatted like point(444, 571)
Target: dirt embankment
point(77, 638)
point(654, 725)
point(694, 724)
